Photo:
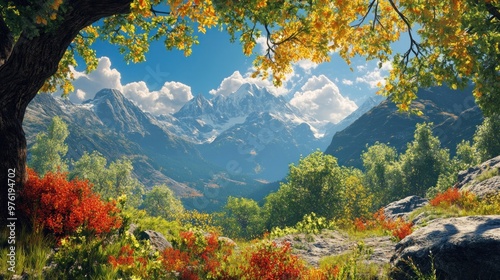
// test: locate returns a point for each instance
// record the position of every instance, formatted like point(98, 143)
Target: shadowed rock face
point(461, 248)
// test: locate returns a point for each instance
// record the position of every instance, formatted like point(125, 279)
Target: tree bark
point(23, 73)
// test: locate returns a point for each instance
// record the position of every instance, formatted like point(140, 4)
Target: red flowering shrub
point(398, 228)
point(200, 256)
point(270, 261)
point(125, 257)
point(61, 207)
point(131, 262)
point(447, 197)
point(402, 229)
point(360, 224)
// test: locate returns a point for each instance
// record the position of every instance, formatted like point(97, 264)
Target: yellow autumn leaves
point(49, 12)
point(449, 42)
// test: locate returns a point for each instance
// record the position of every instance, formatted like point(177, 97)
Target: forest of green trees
point(316, 184)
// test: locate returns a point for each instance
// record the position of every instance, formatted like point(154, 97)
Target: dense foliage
point(101, 247)
point(161, 201)
point(63, 207)
point(317, 184)
point(447, 43)
point(47, 154)
point(109, 180)
point(242, 218)
point(486, 139)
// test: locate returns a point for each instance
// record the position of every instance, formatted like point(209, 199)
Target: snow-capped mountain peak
point(202, 120)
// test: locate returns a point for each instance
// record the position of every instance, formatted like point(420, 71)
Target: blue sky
point(168, 79)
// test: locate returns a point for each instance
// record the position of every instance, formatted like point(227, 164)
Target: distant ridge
point(454, 114)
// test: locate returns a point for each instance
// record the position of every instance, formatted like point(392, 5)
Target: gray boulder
point(312, 248)
point(156, 239)
point(468, 176)
point(461, 248)
point(227, 241)
point(405, 206)
point(485, 188)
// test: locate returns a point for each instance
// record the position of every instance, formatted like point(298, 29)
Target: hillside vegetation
point(89, 223)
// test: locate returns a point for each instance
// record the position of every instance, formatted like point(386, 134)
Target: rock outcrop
point(156, 239)
point(459, 248)
point(468, 177)
point(311, 248)
point(402, 208)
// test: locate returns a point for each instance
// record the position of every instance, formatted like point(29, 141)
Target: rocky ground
point(312, 248)
point(460, 248)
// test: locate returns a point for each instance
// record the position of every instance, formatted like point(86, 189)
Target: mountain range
point(238, 144)
point(210, 149)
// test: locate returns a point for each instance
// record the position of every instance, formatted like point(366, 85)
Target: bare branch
point(415, 48)
point(157, 12)
point(370, 7)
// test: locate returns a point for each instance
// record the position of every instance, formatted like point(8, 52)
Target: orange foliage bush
point(199, 256)
point(125, 257)
point(61, 207)
point(270, 261)
point(398, 228)
point(322, 273)
point(131, 261)
point(447, 197)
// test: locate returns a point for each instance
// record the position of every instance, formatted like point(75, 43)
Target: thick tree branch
point(493, 10)
point(6, 42)
point(33, 60)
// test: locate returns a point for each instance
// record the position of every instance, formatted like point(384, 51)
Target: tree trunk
point(30, 63)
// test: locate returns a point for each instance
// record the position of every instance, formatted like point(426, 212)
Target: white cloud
point(375, 77)
point(321, 98)
point(361, 68)
point(229, 84)
point(236, 80)
point(307, 65)
point(347, 82)
point(169, 99)
point(87, 85)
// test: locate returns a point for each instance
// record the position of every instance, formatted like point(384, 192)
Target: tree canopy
point(448, 42)
point(49, 149)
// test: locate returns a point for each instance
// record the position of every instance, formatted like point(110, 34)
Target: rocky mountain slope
point(253, 132)
point(454, 114)
point(238, 139)
point(115, 127)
